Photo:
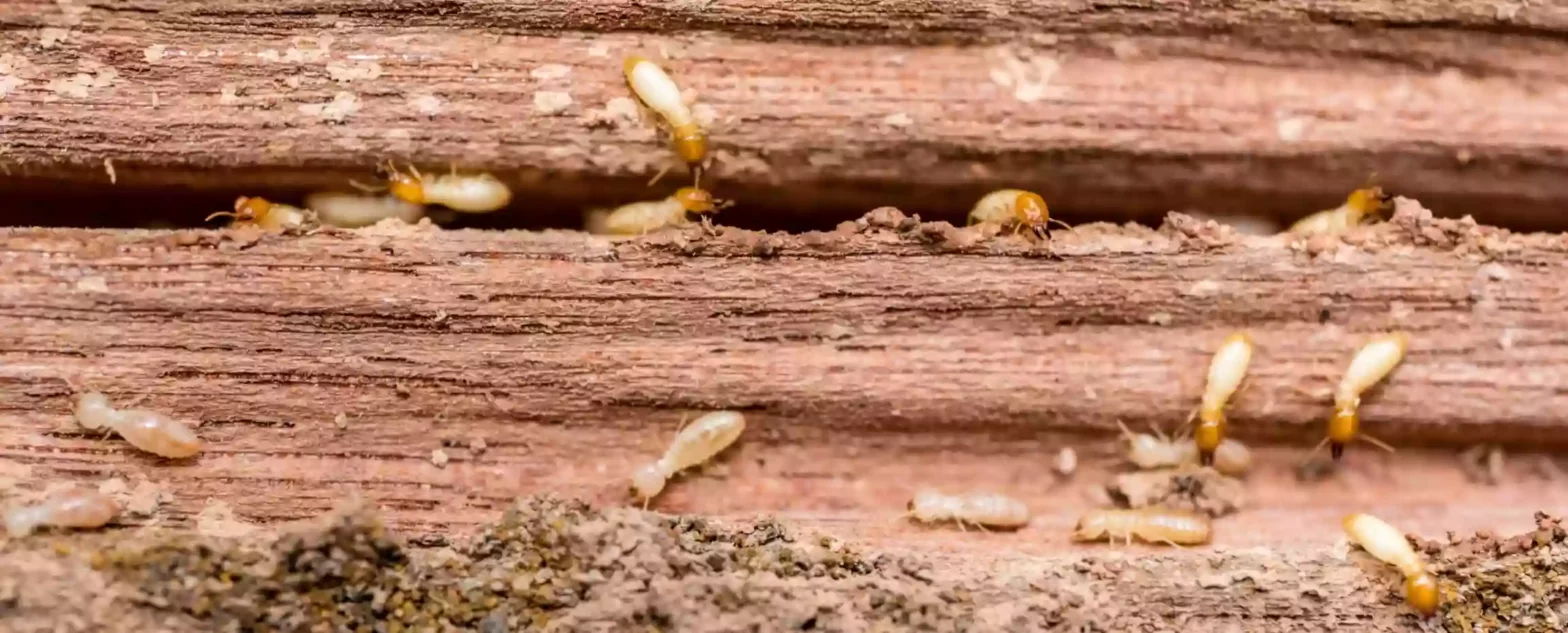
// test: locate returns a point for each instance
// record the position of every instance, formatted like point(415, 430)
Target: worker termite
point(1150, 525)
point(1226, 372)
point(347, 210)
point(1367, 202)
point(268, 215)
point(694, 444)
point(979, 510)
point(1372, 363)
point(640, 218)
point(656, 91)
point(468, 193)
point(147, 430)
point(1389, 545)
point(1016, 207)
point(73, 508)
point(1149, 452)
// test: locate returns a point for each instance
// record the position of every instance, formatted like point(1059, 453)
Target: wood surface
point(818, 110)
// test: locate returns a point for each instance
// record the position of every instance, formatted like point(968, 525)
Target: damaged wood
point(1126, 112)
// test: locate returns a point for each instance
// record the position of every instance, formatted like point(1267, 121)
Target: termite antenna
point(367, 188)
point(1377, 442)
point(221, 214)
point(1315, 451)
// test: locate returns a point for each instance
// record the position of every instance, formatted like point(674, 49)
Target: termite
point(1016, 207)
point(639, 218)
point(1149, 452)
point(979, 510)
point(74, 508)
point(657, 91)
point(150, 431)
point(1389, 545)
point(1366, 202)
point(1371, 364)
point(347, 210)
point(1150, 525)
point(1226, 372)
point(263, 213)
point(696, 443)
point(468, 193)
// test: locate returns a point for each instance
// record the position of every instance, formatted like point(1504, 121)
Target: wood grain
point(818, 110)
point(573, 357)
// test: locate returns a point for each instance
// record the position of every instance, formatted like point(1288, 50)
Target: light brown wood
point(1275, 108)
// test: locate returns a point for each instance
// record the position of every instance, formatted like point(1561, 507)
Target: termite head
point(690, 144)
point(1029, 210)
point(648, 482)
point(246, 209)
point(92, 408)
point(1092, 526)
point(695, 200)
point(1208, 435)
point(406, 187)
point(1368, 201)
point(1342, 429)
point(1421, 593)
point(631, 63)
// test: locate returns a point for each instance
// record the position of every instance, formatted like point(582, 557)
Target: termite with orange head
point(468, 193)
point(1016, 207)
point(1371, 364)
point(1226, 372)
point(639, 218)
point(696, 443)
point(268, 215)
point(980, 510)
point(1390, 546)
point(73, 508)
point(1367, 202)
point(657, 91)
point(150, 431)
point(1150, 525)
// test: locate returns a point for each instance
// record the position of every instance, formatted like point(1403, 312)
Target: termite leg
point(1173, 544)
point(454, 167)
point(961, 527)
point(682, 425)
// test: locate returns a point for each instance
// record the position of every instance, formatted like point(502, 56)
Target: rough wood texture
point(1122, 109)
point(870, 360)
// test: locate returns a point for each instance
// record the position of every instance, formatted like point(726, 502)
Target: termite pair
point(694, 444)
point(1389, 545)
point(1017, 208)
point(149, 431)
point(73, 508)
point(1368, 202)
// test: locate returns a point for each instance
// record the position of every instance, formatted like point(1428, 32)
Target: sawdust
point(558, 566)
point(1198, 489)
point(1517, 584)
